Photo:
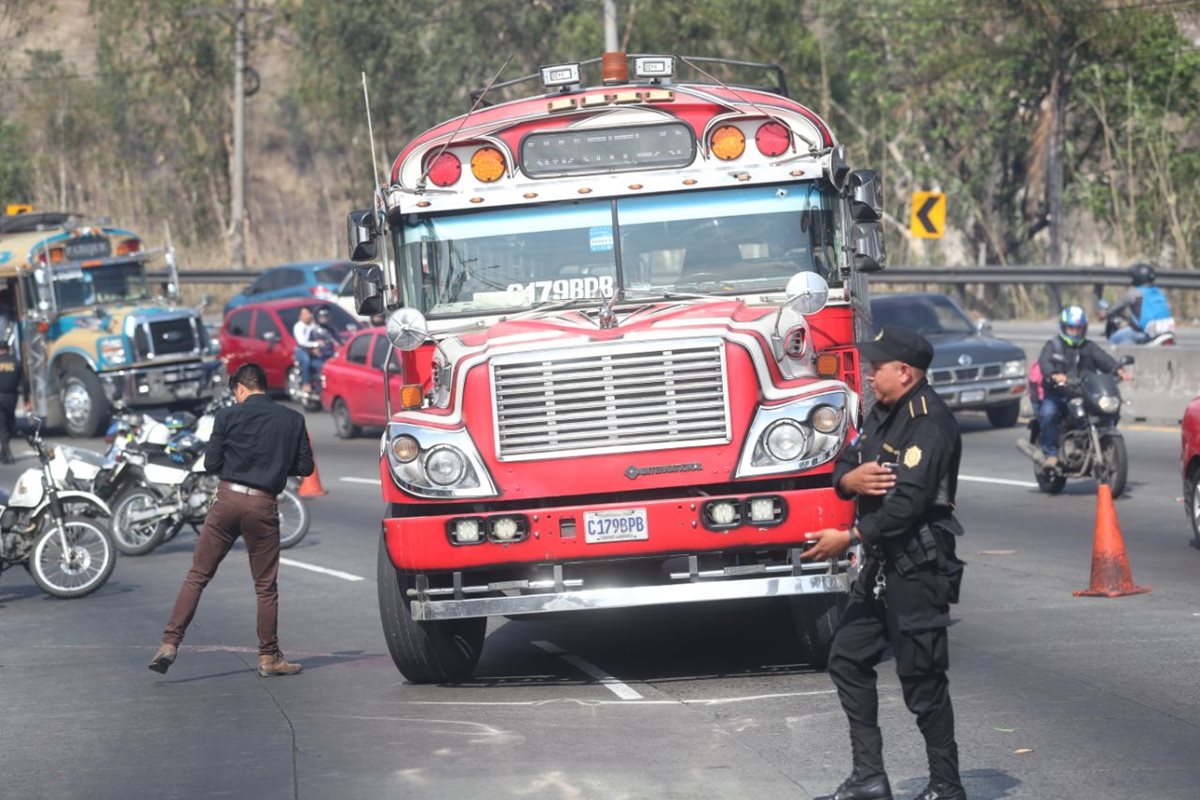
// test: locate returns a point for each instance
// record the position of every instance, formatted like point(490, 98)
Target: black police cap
point(898, 344)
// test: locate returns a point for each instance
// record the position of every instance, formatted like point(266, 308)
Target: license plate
point(619, 525)
point(972, 396)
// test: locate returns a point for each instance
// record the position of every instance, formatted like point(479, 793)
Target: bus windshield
point(110, 283)
point(723, 241)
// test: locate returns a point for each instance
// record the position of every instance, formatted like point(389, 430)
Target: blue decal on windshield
point(600, 238)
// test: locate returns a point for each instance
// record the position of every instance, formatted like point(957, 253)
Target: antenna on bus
point(370, 129)
point(812, 146)
point(475, 105)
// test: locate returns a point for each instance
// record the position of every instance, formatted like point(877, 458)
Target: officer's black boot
point(867, 781)
point(6, 455)
point(944, 781)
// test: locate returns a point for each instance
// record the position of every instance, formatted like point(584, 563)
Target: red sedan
point(262, 332)
point(1191, 464)
point(353, 383)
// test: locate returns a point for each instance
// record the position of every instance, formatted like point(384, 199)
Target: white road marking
point(714, 701)
point(368, 481)
point(615, 686)
point(346, 576)
point(1000, 481)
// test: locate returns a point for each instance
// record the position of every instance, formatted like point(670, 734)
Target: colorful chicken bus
point(91, 331)
point(626, 316)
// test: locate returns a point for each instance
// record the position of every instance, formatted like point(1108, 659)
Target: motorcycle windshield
point(1100, 393)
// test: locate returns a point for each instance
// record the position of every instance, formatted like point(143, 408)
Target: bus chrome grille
point(610, 398)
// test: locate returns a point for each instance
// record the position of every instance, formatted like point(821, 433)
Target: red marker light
point(445, 170)
point(773, 138)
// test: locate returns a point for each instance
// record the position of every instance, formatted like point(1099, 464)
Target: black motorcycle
point(1089, 443)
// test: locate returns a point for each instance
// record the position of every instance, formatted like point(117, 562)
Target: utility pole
point(237, 169)
point(611, 44)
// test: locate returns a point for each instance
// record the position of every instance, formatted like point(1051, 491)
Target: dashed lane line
point(1000, 481)
point(621, 690)
point(368, 481)
point(346, 576)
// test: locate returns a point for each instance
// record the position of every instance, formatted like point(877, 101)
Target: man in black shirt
point(254, 447)
point(902, 470)
point(12, 387)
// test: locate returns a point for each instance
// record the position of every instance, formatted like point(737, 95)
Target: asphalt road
point(1056, 697)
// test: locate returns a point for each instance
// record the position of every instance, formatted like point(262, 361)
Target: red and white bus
point(630, 311)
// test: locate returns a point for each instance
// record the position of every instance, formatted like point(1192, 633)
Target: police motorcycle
point(60, 536)
point(1089, 443)
point(327, 344)
point(1124, 319)
point(173, 490)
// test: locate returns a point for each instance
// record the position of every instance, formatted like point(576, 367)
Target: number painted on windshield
point(563, 289)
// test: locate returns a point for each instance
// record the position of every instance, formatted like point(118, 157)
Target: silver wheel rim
point(77, 403)
point(1196, 507)
point(291, 516)
point(342, 417)
point(134, 534)
point(83, 564)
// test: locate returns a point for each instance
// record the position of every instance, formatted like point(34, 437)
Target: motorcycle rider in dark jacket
point(1065, 357)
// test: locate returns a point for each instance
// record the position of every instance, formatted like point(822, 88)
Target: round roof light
point(773, 138)
point(487, 164)
point(445, 170)
point(728, 142)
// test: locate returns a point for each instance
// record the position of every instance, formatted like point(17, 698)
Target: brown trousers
point(256, 520)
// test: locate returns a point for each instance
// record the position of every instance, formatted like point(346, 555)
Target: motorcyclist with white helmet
point(1063, 358)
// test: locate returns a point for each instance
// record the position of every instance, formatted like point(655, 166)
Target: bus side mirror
point(368, 290)
point(866, 239)
point(361, 234)
point(866, 195)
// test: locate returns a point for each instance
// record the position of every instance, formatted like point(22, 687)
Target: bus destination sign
point(607, 150)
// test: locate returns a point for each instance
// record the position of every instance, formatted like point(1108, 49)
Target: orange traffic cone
point(1110, 565)
point(311, 485)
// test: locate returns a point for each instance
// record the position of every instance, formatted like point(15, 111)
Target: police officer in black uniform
point(12, 387)
point(903, 471)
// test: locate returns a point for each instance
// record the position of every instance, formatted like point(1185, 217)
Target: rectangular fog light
point(765, 510)
point(720, 515)
point(466, 530)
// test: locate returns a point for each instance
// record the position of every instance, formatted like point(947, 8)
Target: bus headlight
point(794, 436)
point(445, 466)
point(786, 440)
point(426, 462)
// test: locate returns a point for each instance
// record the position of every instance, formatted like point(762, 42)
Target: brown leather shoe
point(272, 666)
point(164, 658)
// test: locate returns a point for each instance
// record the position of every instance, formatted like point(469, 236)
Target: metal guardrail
point(1060, 276)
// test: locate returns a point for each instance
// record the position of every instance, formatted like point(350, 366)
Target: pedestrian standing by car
point(12, 388)
point(254, 447)
point(902, 469)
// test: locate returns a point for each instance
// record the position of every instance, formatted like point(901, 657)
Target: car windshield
point(111, 283)
point(339, 318)
point(333, 274)
point(719, 241)
point(928, 315)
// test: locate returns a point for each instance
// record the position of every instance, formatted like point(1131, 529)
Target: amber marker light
point(487, 164)
point(828, 365)
point(411, 396)
point(727, 142)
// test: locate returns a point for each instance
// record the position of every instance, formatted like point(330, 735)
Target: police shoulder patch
point(912, 456)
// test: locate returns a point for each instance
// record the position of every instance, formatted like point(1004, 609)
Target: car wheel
point(1004, 416)
point(1192, 498)
point(343, 425)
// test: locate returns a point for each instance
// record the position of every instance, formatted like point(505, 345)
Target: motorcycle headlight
point(1013, 369)
point(1108, 404)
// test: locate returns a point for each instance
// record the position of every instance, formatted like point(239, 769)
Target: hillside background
point(1063, 131)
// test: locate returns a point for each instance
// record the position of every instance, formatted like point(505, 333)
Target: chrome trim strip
point(628, 597)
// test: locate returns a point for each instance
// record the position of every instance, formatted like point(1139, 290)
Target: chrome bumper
point(628, 597)
point(160, 384)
